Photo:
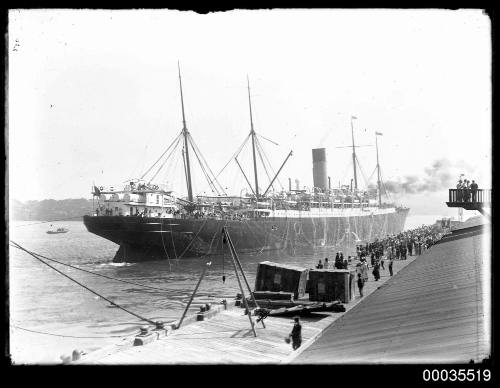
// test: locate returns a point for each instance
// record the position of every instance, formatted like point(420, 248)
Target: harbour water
point(51, 315)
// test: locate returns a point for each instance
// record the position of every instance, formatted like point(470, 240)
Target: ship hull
point(154, 238)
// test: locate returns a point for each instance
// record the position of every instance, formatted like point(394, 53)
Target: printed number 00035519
point(457, 375)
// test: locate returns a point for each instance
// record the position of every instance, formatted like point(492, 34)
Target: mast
point(378, 172)
point(252, 132)
point(354, 155)
point(379, 175)
point(185, 133)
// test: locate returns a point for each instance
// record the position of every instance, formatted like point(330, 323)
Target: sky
point(93, 97)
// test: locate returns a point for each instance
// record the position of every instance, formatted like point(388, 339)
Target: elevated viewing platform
point(470, 199)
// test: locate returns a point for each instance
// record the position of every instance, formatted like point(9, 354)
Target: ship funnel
point(297, 184)
point(319, 168)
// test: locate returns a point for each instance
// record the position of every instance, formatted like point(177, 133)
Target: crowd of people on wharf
point(467, 190)
point(373, 255)
point(399, 246)
point(413, 242)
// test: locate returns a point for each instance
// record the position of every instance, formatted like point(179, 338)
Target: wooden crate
point(328, 285)
point(281, 277)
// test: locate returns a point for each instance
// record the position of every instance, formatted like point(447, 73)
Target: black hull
point(151, 238)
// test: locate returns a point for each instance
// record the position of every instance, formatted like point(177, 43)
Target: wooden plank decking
point(227, 338)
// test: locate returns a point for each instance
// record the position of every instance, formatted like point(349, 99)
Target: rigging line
point(210, 170)
point(362, 172)
point(150, 168)
point(163, 243)
point(210, 246)
point(195, 237)
point(44, 222)
point(235, 155)
point(265, 138)
point(262, 161)
point(254, 234)
point(170, 170)
point(223, 259)
point(88, 289)
point(72, 336)
point(375, 169)
point(207, 177)
point(269, 164)
point(385, 188)
point(166, 159)
point(197, 154)
point(347, 168)
point(260, 150)
point(173, 243)
point(195, 146)
point(84, 270)
point(204, 172)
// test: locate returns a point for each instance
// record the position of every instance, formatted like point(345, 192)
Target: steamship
point(149, 222)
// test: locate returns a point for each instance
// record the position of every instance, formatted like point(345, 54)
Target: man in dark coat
point(376, 271)
point(296, 334)
point(361, 284)
point(473, 190)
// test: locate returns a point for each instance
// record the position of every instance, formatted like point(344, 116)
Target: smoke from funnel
point(442, 174)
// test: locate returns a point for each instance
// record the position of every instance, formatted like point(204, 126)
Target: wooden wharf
point(225, 336)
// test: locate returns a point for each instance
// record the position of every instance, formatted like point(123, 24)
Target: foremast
point(185, 134)
point(252, 133)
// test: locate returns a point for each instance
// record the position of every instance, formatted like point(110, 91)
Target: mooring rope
point(87, 271)
point(69, 336)
point(82, 285)
point(194, 238)
point(163, 242)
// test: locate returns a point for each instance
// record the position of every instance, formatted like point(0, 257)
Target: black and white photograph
point(249, 187)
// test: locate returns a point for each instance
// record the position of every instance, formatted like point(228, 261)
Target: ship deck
point(227, 338)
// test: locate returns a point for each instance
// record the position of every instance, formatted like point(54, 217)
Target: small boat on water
point(57, 231)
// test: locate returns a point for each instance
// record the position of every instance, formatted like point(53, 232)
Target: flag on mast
point(354, 117)
point(378, 133)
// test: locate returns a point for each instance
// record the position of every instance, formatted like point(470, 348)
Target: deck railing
point(470, 196)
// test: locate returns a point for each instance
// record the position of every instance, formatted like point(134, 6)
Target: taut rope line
point(84, 286)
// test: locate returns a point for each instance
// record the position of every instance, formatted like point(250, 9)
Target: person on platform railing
point(459, 191)
point(473, 189)
point(466, 190)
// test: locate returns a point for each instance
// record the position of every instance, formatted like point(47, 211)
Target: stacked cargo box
point(328, 285)
point(281, 277)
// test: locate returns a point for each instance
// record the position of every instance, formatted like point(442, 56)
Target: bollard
point(144, 330)
point(160, 330)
